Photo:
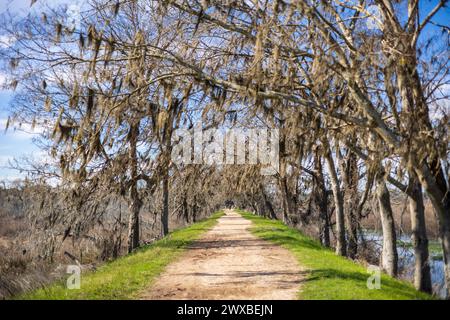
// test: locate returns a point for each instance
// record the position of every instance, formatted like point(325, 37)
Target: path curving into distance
point(229, 262)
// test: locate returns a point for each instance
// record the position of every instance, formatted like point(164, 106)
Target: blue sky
point(17, 143)
point(13, 143)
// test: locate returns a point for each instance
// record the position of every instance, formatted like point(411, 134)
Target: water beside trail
point(406, 259)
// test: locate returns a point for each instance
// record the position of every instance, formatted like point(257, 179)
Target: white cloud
point(19, 131)
point(2, 79)
point(8, 179)
point(22, 8)
point(4, 160)
point(6, 41)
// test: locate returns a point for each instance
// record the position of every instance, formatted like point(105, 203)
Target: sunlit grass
point(328, 276)
point(125, 277)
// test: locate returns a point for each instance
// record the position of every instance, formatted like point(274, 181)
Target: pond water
point(406, 259)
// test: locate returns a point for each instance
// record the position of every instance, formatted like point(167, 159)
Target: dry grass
point(22, 269)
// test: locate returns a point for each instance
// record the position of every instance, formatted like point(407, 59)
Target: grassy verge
point(329, 276)
point(125, 277)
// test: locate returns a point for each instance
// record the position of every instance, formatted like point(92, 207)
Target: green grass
point(328, 276)
point(126, 277)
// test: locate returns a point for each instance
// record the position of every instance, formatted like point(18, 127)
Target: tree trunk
point(287, 207)
point(194, 210)
point(438, 193)
point(268, 204)
point(338, 203)
point(185, 210)
point(320, 196)
point(287, 199)
point(135, 202)
point(422, 276)
point(133, 223)
point(389, 257)
point(349, 170)
point(165, 213)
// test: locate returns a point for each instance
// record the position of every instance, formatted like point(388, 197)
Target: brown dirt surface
point(230, 263)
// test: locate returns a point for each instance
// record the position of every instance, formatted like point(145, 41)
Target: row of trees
point(359, 99)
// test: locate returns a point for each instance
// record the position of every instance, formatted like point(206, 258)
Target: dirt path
point(230, 263)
